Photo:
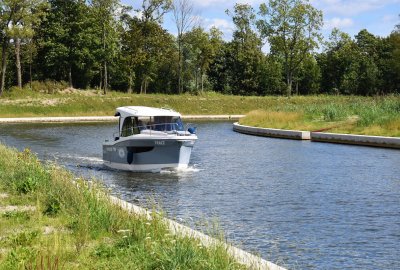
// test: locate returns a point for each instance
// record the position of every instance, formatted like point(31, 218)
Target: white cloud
point(338, 23)
point(390, 19)
point(225, 26)
point(351, 8)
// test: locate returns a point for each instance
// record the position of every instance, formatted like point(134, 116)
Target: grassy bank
point(345, 114)
point(351, 115)
point(48, 222)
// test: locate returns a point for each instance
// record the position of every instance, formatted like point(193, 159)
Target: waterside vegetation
point(379, 115)
point(51, 220)
point(124, 46)
point(350, 115)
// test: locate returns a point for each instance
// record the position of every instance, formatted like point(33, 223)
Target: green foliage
point(23, 238)
point(292, 29)
point(52, 205)
point(243, 56)
point(101, 44)
point(29, 177)
point(48, 87)
point(26, 185)
point(18, 216)
point(89, 231)
point(354, 115)
point(334, 113)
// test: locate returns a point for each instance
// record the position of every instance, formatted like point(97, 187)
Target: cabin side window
point(130, 127)
point(145, 123)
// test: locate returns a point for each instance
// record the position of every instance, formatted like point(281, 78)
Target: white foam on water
point(94, 160)
point(190, 169)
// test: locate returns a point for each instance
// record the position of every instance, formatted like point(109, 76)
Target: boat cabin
point(138, 119)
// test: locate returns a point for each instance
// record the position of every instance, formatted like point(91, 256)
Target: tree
point(104, 12)
point(68, 43)
point(152, 16)
point(340, 51)
point(143, 42)
point(202, 47)
point(7, 10)
point(292, 29)
point(246, 54)
point(27, 14)
point(184, 20)
point(145, 45)
point(368, 71)
point(308, 77)
point(219, 73)
point(17, 18)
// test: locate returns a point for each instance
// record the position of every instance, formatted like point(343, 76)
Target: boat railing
point(153, 129)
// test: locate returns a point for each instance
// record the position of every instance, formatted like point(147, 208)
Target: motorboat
point(149, 139)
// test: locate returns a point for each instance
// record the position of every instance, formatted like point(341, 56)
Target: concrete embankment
point(247, 259)
point(88, 119)
point(271, 132)
point(377, 141)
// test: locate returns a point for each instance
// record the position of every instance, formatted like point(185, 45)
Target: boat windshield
point(134, 125)
point(168, 123)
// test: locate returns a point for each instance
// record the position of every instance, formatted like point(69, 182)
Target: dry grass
point(280, 120)
point(351, 115)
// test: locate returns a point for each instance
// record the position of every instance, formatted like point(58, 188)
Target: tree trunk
point(105, 62)
point(18, 61)
point(105, 78)
point(4, 46)
point(130, 83)
point(30, 76)
point(179, 66)
point(196, 79)
point(101, 78)
point(70, 77)
point(202, 82)
point(289, 85)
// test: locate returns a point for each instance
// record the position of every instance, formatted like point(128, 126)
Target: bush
point(26, 185)
point(52, 205)
point(48, 87)
point(333, 113)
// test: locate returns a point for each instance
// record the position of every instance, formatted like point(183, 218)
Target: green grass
point(345, 114)
point(351, 115)
point(73, 225)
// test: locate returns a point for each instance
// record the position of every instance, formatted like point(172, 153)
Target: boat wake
point(190, 169)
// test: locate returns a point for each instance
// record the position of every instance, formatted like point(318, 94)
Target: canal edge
point(272, 132)
point(362, 140)
point(251, 261)
point(89, 119)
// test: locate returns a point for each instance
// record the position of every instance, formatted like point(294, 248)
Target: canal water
point(302, 205)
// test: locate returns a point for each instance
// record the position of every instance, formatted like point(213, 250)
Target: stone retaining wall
point(271, 132)
point(377, 141)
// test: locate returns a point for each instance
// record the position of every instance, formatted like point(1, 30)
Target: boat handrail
point(170, 128)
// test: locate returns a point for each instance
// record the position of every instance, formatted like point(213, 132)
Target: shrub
point(333, 113)
point(26, 185)
point(48, 87)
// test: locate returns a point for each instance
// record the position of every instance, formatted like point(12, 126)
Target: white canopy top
point(145, 111)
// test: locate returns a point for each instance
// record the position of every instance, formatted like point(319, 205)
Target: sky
point(377, 16)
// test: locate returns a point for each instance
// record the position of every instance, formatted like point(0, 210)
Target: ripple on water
point(304, 205)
